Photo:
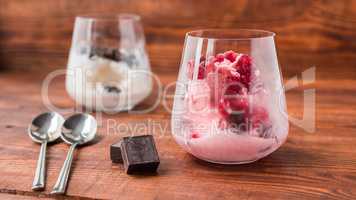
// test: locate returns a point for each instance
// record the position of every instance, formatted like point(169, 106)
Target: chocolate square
point(138, 154)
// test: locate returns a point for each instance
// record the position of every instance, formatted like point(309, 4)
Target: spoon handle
point(39, 180)
point(61, 184)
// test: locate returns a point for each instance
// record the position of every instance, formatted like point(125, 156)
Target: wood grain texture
point(320, 165)
point(37, 34)
point(20, 197)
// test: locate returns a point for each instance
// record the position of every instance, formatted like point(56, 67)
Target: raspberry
point(233, 84)
point(244, 66)
point(230, 80)
point(239, 103)
point(219, 57)
point(237, 75)
point(230, 55)
point(258, 118)
point(201, 71)
point(194, 135)
point(228, 76)
point(233, 109)
point(225, 81)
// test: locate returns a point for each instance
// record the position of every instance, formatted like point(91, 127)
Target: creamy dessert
point(107, 79)
point(227, 115)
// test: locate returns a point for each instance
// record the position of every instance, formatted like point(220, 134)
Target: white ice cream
point(199, 130)
point(106, 85)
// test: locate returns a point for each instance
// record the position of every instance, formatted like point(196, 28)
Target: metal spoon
point(43, 129)
point(77, 130)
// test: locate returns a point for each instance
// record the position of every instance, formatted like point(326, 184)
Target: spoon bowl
point(79, 129)
point(44, 128)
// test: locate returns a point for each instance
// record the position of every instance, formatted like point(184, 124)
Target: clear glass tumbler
point(108, 67)
point(229, 106)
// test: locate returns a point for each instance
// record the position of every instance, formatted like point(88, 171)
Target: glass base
point(117, 110)
point(228, 163)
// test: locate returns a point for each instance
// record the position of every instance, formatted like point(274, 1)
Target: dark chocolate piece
point(138, 154)
point(108, 53)
point(115, 153)
point(116, 55)
point(112, 89)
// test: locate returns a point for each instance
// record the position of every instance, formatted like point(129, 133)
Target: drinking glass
point(108, 67)
point(229, 105)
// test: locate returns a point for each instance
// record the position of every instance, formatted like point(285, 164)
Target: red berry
point(244, 67)
point(229, 81)
point(257, 117)
point(239, 103)
point(230, 55)
point(233, 84)
point(233, 109)
point(194, 135)
point(201, 71)
point(244, 64)
point(219, 57)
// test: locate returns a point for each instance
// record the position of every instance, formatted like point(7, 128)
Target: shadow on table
point(284, 157)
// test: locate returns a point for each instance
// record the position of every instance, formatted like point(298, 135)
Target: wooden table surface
point(319, 165)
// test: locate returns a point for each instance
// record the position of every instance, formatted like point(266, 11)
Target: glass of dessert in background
point(108, 67)
point(229, 106)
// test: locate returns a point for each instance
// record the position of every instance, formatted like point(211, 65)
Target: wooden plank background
point(36, 34)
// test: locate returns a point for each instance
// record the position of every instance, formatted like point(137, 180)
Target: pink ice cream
point(226, 119)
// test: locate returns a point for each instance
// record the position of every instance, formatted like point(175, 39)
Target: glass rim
point(230, 34)
point(108, 17)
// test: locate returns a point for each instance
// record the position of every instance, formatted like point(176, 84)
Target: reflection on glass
point(108, 68)
point(229, 105)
